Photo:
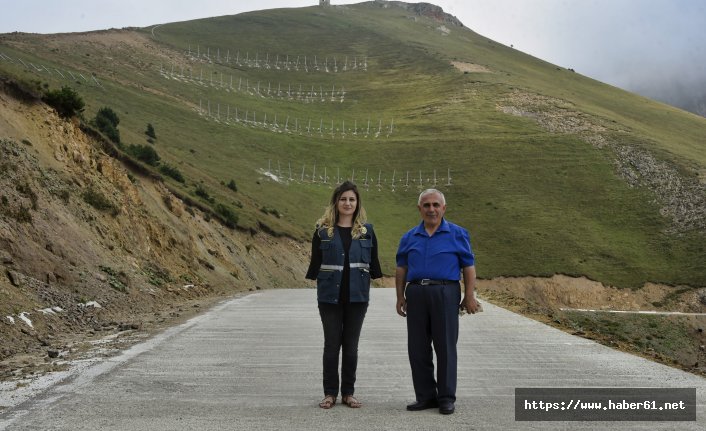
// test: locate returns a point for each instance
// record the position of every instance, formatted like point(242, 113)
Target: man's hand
point(402, 307)
point(400, 281)
point(469, 283)
point(470, 304)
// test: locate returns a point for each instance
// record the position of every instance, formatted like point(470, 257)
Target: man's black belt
point(427, 282)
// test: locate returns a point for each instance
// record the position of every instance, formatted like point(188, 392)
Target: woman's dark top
point(346, 234)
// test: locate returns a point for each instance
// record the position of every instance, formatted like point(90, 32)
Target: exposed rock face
point(428, 10)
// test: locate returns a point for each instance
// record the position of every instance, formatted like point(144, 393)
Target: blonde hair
point(330, 217)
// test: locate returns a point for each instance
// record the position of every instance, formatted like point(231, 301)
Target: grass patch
point(670, 339)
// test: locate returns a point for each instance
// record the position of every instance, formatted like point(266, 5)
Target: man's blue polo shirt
point(437, 257)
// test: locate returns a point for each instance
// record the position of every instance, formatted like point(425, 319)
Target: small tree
point(150, 131)
point(66, 101)
point(106, 126)
point(107, 122)
point(109, 115)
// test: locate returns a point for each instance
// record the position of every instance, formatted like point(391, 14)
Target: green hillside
point(551, 172)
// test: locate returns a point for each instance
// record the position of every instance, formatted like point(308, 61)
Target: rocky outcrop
point(682, 198)
point(427, 10)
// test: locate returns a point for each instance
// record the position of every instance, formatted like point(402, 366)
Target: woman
point(344, 257)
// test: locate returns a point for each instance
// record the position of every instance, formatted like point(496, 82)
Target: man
point(430, 260)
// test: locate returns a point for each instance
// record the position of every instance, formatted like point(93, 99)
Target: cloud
point(655, 48)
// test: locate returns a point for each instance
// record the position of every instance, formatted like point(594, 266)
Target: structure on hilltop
point(324, 2)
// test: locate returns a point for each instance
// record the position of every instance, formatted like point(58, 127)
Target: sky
point(653, 47)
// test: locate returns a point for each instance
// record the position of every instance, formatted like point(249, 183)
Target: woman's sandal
point(328, 402)
point(351, 401)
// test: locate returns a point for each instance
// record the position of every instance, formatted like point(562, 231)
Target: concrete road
point(254, 363)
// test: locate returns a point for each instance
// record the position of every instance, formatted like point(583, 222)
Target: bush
point(229, 217)
point(98, 201)
point(108, 129)
point(201, 192)
point(173, 172)
point(107, 122)
point(150, 131)
point(109, 115)
point(144, 153)
point(66, 101)
point(232, 186)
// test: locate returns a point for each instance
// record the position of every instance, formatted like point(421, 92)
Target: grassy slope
point(535, 203)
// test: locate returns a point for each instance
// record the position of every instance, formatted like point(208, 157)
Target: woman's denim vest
point(328, 282)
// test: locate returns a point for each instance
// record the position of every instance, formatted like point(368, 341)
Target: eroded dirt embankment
point(89, 249)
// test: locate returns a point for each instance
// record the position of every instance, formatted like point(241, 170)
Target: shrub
point(201, 192)
point(66, 101)
point(173, 172)
point(107, 122)
point(232, 186)
point(229, 217)
point(150, 131)
point(144, 153)
point(104, 125)
point(109, 115)
point(98, 201)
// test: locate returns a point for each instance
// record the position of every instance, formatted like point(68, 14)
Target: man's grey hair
point(429, 192)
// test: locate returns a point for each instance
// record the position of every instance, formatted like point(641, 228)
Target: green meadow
point(536, 202)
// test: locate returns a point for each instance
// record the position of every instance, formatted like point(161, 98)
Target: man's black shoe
point(422, 405)
point(446, 408)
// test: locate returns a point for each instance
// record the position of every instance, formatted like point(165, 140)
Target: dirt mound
point(587, 308)
point(561, 291)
